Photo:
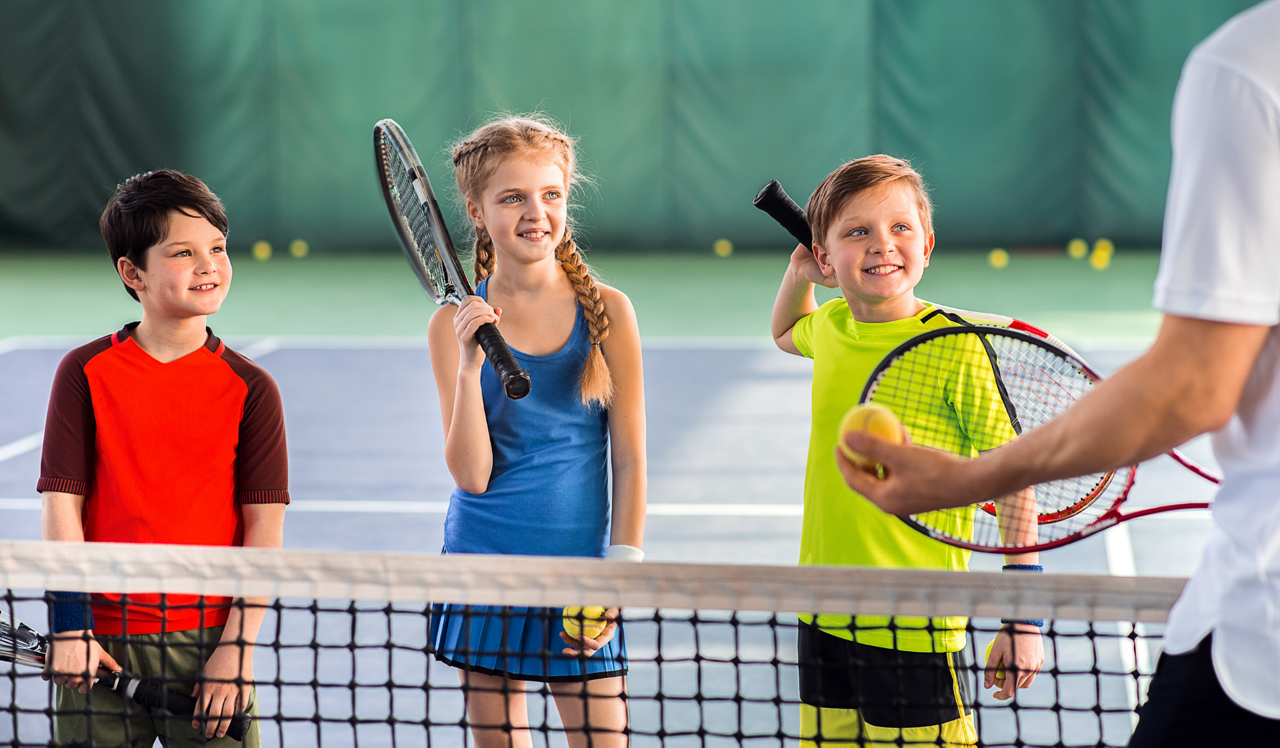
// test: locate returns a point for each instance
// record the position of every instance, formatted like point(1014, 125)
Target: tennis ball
point(998, 258)
point(722, 247)
point(873, 419)
point(261, 250)
point(588, 621)
point(1077, 249)
point(1103, 249)
point(1000, 667)
point(299, 248)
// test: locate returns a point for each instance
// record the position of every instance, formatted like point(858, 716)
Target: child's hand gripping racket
point(426, 241)
point(23, 645)
point(968, 389)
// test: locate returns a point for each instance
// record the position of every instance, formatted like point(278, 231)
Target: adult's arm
point(1189, 382)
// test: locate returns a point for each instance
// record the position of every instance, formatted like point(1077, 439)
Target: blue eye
point(858, 232)
point(511, 199)
point(553, 195)
point(902, 227)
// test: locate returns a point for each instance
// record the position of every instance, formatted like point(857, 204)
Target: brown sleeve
point(66, 464)
point(262, 459)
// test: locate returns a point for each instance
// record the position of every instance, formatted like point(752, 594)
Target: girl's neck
point(167, 339)
point(532, 278)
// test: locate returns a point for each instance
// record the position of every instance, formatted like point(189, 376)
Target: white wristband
point(624, 553)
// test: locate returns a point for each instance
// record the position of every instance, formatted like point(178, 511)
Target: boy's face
point(878, 249)
point(188, 272)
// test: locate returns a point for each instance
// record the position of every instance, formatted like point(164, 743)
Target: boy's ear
point(130, 274)
point(823, 259)
point(928, 249)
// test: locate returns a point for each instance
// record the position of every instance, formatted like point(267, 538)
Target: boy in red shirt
point(159, 433)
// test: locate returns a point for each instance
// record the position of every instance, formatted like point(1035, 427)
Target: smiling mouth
point(883, 269)
point(535, 234)
point(204, 287)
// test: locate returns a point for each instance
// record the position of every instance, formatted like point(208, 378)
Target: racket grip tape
point(772, 199)
point(515, 380)
point(154, 694)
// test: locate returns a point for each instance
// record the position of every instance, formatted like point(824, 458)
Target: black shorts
point(1186, 706)
point(889, 687)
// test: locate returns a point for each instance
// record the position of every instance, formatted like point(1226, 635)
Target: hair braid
point(596, 383)
point(484, 256)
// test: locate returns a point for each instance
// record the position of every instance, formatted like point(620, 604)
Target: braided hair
point(475, 159)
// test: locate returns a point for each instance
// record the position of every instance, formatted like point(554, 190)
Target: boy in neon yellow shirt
point(876, 679)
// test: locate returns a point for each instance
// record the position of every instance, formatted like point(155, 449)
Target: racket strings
point(962, 392)
point(411, 214)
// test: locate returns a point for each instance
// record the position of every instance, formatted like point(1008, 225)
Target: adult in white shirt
point(1214, 367)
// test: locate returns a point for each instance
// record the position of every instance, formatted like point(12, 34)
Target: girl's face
point(879, 248)
point(523, 208)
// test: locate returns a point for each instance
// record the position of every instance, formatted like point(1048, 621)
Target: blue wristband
point(69, 611)
point(1029, 568)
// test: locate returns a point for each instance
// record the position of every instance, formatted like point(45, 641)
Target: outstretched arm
point(1190, 382)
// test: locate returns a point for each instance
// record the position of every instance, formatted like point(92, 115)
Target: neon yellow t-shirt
point(841, 528)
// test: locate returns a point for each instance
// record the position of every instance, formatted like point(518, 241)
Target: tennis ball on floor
point(876, 420)
point(1000, 667)
point(588, 621)
point(1103, 249)
point(1077, 249)
point(722, 247)
point(261, 250)
point(299, 248)
point(998, 258)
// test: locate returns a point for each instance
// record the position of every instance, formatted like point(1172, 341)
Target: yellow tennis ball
point(1000, 667)
point(588, 621)
point(1077, 249)
point(722, 247)
point(1103, 249)
point(261, 250)
point(998, 258)
point(873, 419)
point(299, 248)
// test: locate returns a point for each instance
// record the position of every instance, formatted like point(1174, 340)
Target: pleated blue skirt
point(518, 643)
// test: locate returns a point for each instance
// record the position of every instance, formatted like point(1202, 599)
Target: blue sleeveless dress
point(548, 495)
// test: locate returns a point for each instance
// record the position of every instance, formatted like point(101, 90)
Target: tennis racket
point(774, 200)
point(426, 242)
point(23, 645)
point(968, 389)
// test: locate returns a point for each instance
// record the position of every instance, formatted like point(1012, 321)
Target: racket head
point(416, 215)
point(21, 644)
point(970, 389)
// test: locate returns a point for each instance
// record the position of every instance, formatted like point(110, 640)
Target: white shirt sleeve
point(1220, 258)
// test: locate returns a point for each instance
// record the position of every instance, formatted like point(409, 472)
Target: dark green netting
point(1034, 120)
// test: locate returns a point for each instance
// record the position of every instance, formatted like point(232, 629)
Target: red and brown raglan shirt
point(163, 453)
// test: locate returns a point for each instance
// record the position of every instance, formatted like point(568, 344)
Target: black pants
point(1186, 706)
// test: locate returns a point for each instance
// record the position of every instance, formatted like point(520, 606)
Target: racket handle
point(515, 381)
point(781, 208)
point(152, 693)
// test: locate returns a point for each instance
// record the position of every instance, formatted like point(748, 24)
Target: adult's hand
point(916, 479)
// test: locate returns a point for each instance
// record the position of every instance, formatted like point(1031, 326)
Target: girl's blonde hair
point(475, 159)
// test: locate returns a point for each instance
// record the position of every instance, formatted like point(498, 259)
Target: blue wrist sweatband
point(1034, 569)
point(70, 611)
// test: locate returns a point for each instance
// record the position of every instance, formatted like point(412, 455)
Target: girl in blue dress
point(533, 474)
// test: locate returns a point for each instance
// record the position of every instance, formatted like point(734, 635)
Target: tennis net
point(345, 654)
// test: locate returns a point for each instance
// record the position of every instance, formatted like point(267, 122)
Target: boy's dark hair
point(854, 178)
point(137, 217)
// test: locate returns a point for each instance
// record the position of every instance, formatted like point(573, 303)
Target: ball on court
point(1000, 667)
point(1100, 259)
point(722, 247)
point(998, 259)
point(876, 420)
point(261, 250)
point(299, 248)
point(580, 622)
point(1077, 249)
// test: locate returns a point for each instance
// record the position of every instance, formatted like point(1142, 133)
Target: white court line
point(261, 348)
point(21, 446)
point(1121, 563)
point(326, 506)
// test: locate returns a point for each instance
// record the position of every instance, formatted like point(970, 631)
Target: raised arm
point(795, 298)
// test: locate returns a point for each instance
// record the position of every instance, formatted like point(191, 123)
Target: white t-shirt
point(1221, 261)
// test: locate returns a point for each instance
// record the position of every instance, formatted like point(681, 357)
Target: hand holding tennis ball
point(876, 420)
point(588, 621)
